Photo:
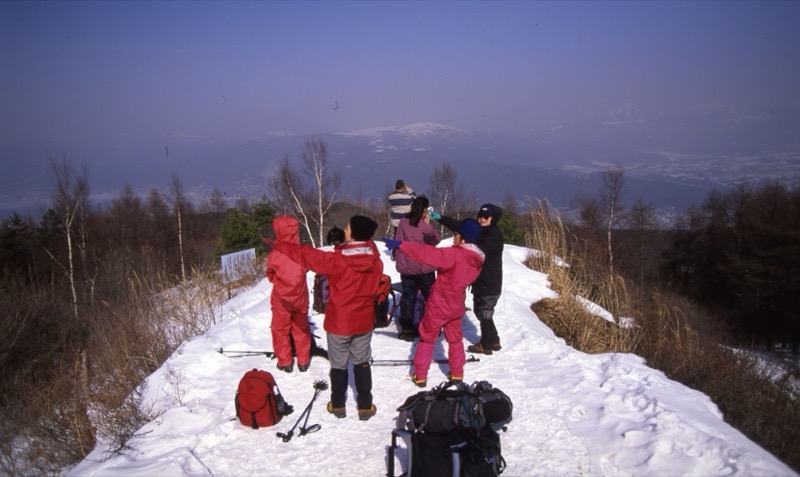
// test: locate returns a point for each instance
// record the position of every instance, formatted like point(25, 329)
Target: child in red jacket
point(289, 300)
point(456, 268)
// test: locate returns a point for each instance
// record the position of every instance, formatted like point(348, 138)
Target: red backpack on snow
point(384, 307)
point(259, 402)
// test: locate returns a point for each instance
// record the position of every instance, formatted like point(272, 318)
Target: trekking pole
point(405, 362)
point(319, 386)
point(244, 353)
point(390, 362)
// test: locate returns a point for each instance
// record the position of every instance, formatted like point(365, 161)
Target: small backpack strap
point(253, 422)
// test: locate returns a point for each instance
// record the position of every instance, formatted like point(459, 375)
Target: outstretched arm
point(449, 222)
point(439, 258)
point(324, 263)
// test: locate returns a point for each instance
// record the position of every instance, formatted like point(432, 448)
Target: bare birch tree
point(287, 191)
point(70, 200)
point(81, 194)
point(613, 179)
point(310, 204)
point(325, 183)
point(178, 205)
point(445, 192)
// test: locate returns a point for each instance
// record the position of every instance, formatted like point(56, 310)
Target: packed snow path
point(574, 414)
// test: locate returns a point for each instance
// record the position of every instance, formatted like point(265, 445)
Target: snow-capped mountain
point(413, 130)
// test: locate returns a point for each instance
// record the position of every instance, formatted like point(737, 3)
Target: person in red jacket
point(456, 268)
point(353, 269)
point(289, 300)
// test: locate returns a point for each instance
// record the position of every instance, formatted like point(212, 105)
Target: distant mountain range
point(671, 162)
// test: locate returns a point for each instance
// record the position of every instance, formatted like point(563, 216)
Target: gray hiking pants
point(356, 348)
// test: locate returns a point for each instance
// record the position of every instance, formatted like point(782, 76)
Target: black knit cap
point(335, 235)
point(362, 228)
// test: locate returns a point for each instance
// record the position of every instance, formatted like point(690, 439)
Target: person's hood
point(473, 259)
point(286, 229)
point(361, 256)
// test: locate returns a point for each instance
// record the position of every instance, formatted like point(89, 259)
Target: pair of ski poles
point(406, 362)
point(244, 353)
point(319, 386)
point(373, 362)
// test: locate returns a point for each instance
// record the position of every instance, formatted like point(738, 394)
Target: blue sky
point(84, 71)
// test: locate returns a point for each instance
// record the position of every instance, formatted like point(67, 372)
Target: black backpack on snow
point(452, 430)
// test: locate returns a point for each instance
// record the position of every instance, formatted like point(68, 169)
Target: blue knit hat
point(470, 230)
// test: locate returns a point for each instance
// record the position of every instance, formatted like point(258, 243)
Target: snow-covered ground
point(574, 413)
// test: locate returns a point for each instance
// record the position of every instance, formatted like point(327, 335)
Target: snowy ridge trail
point(574, 414)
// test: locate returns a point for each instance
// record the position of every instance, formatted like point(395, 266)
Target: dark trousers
point(363, 380)
point(483, 306)
point(411, 285)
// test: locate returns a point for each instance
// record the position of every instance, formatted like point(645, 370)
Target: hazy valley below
point(669, 168)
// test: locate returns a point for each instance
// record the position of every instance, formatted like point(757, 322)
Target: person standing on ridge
point(456, 268)
point(414, 276)
point(489, 284)
point(354, 269)
point(289, 300)
point(400, 201)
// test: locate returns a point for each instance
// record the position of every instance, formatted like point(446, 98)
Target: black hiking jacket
point(490, 241)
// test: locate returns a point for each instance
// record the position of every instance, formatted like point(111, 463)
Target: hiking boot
point(287, 368)
point(420, 383)
point(340, 412)
point(303, 367)
point(496, 347)
point(365, 414)
point(478, 348)
point(457, 379)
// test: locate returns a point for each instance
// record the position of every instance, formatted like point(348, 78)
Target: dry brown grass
point(577, 278)
point(58, 404)
point(670, 332)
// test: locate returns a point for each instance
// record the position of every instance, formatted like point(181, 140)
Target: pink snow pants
point(428, 332)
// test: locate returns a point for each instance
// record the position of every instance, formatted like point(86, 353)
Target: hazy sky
point(74, 71)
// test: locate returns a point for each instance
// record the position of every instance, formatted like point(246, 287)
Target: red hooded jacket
point(353, 270)
point(288, 278)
